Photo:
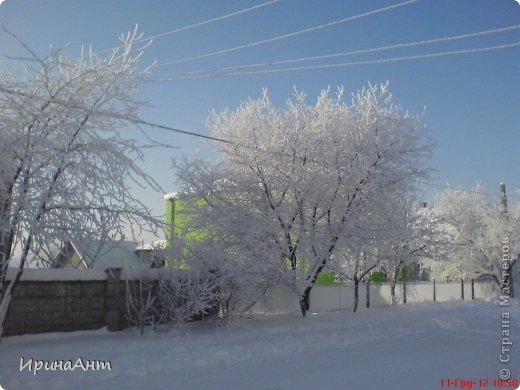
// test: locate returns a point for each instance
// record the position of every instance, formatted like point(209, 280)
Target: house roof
point(108, 254)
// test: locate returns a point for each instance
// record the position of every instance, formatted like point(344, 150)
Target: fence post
point(434, 292)
point(472, 289)
point(462, 287)
point(113, 304)
point(339, 297)
point(404, 291)
point(368, 294)
point(265, 304)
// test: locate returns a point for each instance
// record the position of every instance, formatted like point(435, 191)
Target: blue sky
point(471, 100)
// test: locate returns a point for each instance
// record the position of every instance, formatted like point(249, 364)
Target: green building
point(178, 222)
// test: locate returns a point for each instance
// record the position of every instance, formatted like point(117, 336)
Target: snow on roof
point(74, 274)
point(177, 195)
point(109, 254)
point(160, 244)
point(57, 274)
point(170, 195)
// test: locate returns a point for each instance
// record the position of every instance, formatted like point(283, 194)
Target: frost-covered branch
point(66, 162)
point(295, 182)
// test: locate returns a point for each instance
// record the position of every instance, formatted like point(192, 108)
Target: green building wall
point(178, 218)
point(178, 223)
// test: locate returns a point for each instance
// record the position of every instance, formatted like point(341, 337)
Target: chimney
point(170, 215)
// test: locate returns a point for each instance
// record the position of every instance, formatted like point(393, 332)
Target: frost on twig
point(294, 188)
point(67, 165)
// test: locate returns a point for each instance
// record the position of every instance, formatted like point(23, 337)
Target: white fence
point(278, 300)
point(336, 297)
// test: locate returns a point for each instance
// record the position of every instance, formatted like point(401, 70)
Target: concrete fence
point(53, 300)
point(336, 297)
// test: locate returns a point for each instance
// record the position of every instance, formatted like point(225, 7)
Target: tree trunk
point(368, 294)
point(4, 305)
point(305, 297)
point(511, 278)
point(507, 282)
point(395, 277)
point(6, 242)
point(356, 293)
point(6, 298)
point(392, 292)
point(305, 301)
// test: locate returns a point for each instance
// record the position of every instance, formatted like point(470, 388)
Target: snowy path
point(412, 347)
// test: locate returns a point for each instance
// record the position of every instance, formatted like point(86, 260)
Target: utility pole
point(503, 198)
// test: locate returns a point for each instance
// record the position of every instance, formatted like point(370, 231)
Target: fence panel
point(418, 292)
point(485, 290)
point(280, 300)
point(467, 290)
point(448, 291)
point(380, 294)
point(341, 296)
point(277, 300)
point(328, 298)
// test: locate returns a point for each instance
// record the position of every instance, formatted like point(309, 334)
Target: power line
point(210, 20)
point(204, 22)
point(134, 120)
point(344, 54)
point(344, 64)
point(280, 37)
point(229, 142)
point(187, 132)
point(240, 145)
point(143, 122)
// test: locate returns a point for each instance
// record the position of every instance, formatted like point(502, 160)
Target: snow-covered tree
point(302, 178)
point(355, 259)
point(411, 235)
point(242, 264)
point(66, 166)
point(184, 293)
point(484, 234)
point(141, 302)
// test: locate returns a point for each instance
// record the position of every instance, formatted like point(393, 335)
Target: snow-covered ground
point(413, 346)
